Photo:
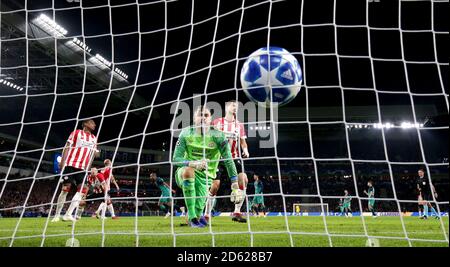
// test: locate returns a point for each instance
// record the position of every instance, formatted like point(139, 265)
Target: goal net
point(310, 209)
point(373, 106)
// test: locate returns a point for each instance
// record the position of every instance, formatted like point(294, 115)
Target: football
point(271, 76)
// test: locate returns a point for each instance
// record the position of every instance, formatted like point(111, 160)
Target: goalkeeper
point(197, 155)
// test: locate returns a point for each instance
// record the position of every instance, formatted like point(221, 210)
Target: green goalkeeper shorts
point(201, 188)
point(371, 202)
point(346, 205)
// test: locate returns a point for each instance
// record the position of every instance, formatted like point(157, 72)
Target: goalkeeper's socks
point(111, 210)
point(74, 204)
point(425, 210)
point(61, 200)
point(189, 193)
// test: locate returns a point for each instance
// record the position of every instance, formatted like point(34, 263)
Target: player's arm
point(180, 151)
point(64, 155)
point(66, 148)
point(244, 147)
point(113, 180)
point(101, 180)
point(434, 191)
point(168, 186)
point(243, 141)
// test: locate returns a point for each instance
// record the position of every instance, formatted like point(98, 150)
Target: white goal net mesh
point(373, 107)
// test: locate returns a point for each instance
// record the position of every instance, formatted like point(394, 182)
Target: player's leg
point(212, 197)
point(74, 204)
point(242, 182)
point(263, 207)
point(169, 205)
point(82, 204)
point(185, 179)
point(433, 211)
point(80, 210)
point(420, 206)
point(202, 183)
point(100, 209)
point(77, 179)
point(61, 200)
point(66, 186)
point(257, 203)
point(110, 207)
point(256, 209)
point(425, 199)
point(372, 208)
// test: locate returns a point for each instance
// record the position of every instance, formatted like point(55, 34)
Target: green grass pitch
point(157, 231)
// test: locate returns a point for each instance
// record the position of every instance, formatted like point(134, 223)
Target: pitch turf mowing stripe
point(155, 231)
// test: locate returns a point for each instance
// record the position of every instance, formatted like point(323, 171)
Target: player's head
point(369, 183)
point(89, 124)
point(94, 171)
point(421, 172)
point(202, 116)
point(346, 191)
point(107, 162)
point(255, 177)
point(153, 176)
point(231, 107)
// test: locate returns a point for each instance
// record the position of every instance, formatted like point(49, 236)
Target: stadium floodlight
point(50, 26)
point(121, 73)
point(103, 60)
point(11, 84)
point(406, 125)
point(81, 44)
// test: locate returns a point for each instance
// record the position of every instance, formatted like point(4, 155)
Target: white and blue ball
point(271, 75)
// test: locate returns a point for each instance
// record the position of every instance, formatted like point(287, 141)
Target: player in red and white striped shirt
point(109, 178)
point(235, 132)
point(77, 156)
point(96, 180)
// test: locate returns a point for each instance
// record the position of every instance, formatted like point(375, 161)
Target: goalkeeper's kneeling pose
point(197, 154)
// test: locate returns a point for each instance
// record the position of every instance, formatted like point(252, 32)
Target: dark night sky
point(390, 73)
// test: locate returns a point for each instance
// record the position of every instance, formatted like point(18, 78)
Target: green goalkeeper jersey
point(191, 146)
